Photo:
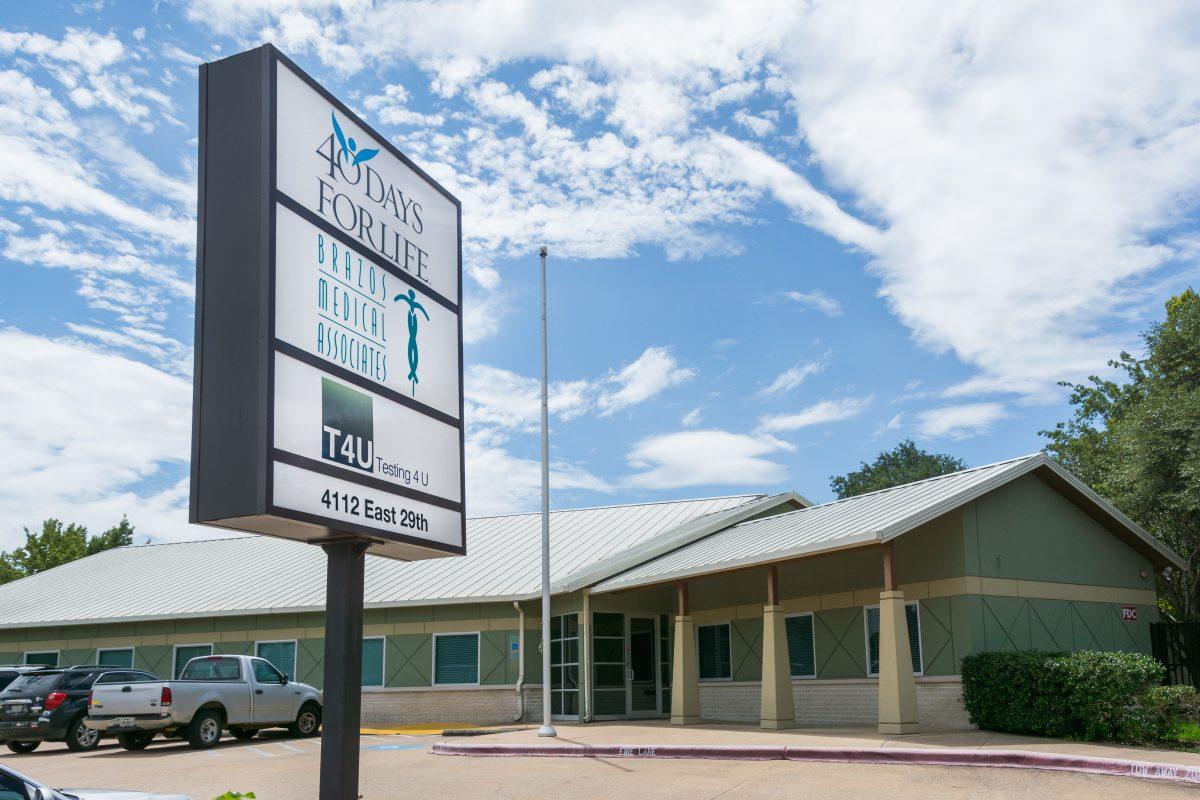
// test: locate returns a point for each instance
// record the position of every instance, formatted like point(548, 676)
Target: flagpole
point(547, 729)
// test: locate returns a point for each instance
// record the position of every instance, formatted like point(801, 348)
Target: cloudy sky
point(783, 235)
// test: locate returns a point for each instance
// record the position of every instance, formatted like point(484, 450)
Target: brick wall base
point(476, 706)
point(832, 703)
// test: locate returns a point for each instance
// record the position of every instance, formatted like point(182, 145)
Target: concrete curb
point(1016, 759)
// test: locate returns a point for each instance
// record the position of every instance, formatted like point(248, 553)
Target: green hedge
point(1085, 695)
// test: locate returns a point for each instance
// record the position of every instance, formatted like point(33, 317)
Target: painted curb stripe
point(1016, 759)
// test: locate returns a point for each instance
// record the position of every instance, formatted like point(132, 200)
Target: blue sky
point(782, 238)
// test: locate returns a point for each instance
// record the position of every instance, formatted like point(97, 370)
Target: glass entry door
point(644, 698)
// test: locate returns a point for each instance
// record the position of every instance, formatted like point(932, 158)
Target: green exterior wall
point(1024, 531)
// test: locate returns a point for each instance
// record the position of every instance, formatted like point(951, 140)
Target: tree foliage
point(904, 463)
point(1137, 442)
point(58, 544)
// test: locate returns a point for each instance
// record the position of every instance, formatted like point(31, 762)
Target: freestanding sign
point(328, 379)
point(328, 376)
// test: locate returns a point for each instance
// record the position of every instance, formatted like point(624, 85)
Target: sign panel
point(333, 423)
point(334, 302)
point(328, 380)
point(1129, 613)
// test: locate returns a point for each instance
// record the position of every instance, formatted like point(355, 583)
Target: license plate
point(13, 709)
point(123, 722)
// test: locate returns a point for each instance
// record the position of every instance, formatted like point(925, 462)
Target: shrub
point(1085, 695)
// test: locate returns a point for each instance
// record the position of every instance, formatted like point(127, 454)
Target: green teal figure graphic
point(413, 307)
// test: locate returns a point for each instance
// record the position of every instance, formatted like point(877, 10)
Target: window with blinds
point(372, 661)
point(912, 615)
point(455, 658)
point(115, 657)
point(713, 643)
point(801, 649)
point(186, 652)
point(280, 655)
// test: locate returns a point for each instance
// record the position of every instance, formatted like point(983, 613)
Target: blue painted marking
point(394, 747)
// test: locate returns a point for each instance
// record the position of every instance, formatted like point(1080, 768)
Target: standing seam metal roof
point(865, 519)
point(259, 574)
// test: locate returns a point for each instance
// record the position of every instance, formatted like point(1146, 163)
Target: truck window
point(264, 672)
point(7, 676)
point(212, 668)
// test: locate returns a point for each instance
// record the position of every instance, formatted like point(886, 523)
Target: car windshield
point(212, 668)
point(7, 676)
point(34, 682)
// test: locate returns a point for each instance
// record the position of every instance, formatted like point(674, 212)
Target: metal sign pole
point(547, 729)
point(343, 668)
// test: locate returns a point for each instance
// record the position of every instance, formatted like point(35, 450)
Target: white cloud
point(506, 399)
point(81, 430)
point(1008, 173)
point(500, 483)
point(705, 458)
point(821, 413)
point(792, 377)
point(654, 371)
point(959, 421)
point(815, 299)
point(692, 418)
point(759, 126)
point(495, 396)
point(391, 108)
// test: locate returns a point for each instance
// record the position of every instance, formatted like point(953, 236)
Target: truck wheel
point(80, 737)
point(308, 721)
point(205, 730)
point(135, 741)
point(23, 747)
point(243, 733)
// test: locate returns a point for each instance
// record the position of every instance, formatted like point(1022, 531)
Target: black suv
point(50, 705)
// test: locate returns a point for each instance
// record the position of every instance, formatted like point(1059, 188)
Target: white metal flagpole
point(547, 729)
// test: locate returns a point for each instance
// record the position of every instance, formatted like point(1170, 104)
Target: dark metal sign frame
point(233, 448)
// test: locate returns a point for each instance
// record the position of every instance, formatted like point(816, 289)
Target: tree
point(58, 544)
point(904, 463)
point(1137, 442)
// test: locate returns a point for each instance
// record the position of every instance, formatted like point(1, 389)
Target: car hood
point(120, 794)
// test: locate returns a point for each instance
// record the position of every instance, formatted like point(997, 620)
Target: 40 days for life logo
point(348, 151)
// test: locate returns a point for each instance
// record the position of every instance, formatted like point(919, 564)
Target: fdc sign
point(328, 378)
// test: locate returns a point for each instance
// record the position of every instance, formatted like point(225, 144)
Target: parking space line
point(287, 746)
point(260, 751)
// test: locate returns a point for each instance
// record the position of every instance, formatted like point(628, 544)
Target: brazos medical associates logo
point(347, 426)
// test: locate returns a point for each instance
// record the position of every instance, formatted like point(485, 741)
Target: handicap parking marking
point(394, 746)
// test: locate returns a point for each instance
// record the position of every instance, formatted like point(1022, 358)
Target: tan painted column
point(897, 687)
point(685, 672)
point(778, 709)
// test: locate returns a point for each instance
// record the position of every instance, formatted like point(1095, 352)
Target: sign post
point(328, 374)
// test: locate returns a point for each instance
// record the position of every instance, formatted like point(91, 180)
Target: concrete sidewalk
point(656, 733)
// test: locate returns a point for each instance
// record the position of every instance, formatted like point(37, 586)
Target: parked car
point(15, 786)
point(50, 705)
point(241, 694)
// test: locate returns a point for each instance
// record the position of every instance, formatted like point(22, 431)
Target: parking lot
point(280, 768)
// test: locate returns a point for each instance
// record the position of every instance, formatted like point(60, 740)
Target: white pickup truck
point(241, 694)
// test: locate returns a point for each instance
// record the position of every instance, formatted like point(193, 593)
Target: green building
point(755, 608)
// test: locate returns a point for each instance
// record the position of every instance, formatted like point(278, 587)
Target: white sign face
point(332, 167)
point(336, 303)
point(343, 501)
point(331, 422)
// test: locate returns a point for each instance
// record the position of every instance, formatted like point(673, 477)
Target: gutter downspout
point(520, 662)
point(585, 631)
